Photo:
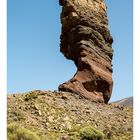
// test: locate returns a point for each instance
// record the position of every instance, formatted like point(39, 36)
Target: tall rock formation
point(86, 40)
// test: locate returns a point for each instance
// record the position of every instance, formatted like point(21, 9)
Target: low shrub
point(16, 132)
point(90, 133)
point(31, 95)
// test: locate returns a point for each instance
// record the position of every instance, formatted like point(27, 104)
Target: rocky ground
point(62, 115)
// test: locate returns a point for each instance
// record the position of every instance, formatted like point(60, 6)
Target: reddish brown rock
point(86, 40)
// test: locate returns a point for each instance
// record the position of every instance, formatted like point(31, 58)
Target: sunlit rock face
point(86, 40)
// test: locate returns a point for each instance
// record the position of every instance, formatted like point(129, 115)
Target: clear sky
point(34, 59)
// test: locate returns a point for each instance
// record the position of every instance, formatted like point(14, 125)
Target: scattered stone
point(54, 119)
point(39, 112)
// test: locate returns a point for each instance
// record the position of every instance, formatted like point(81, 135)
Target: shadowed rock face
point(86, 40)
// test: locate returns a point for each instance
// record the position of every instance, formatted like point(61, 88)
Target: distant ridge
point(125, 102)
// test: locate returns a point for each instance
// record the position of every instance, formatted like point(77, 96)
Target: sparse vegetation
point(31, 95)
point(49, 116)
point(16, 132)
point(18, 115)
point(90, 133)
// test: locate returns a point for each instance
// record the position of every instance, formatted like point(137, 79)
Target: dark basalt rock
point(87, 41)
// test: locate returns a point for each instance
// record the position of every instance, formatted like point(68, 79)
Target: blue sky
point(34, 59)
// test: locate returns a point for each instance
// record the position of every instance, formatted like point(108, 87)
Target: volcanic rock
point(125, 102)
point(56, 119)
point(87, 41)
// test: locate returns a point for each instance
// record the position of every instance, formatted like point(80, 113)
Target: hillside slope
point(62, 115)
point(125, 102)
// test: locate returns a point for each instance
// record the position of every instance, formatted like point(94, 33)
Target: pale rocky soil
point(60, 115)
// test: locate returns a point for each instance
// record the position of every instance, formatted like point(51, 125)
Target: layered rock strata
point(87, 41)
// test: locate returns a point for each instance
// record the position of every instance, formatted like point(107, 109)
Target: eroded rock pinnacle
point(87, 41)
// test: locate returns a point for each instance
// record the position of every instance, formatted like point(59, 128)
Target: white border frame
point(136, 68)
point(3, 69)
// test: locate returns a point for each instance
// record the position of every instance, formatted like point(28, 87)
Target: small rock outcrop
point(87, 41)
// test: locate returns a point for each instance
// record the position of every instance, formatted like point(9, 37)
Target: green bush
point(90, 133)
point(16, 132)
point(31, 95)
point(18, 115)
